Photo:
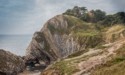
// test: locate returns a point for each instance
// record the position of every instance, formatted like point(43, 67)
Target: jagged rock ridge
point(10, 64)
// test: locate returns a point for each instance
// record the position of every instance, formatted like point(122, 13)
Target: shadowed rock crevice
point(2, 73)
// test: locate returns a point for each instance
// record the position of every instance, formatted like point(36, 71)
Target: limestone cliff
point(83, 45)
point(62, 36)
point(10, 64)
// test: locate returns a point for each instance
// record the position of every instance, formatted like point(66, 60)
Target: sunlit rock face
point(10, 64)
point(60, 37)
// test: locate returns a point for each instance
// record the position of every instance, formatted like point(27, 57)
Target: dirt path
point(87, 65)
point(91, 51)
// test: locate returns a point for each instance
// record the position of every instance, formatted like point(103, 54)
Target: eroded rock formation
point(10, 64)
point(62, 36)
point(66, 35)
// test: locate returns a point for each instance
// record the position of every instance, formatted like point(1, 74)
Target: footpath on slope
point(86, 66)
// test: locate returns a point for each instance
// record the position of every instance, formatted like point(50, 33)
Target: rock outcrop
point(10, 64)
point(61, 36)
point(66, 45)
point(83, 45)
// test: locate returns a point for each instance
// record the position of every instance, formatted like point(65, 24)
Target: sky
point(18, 17)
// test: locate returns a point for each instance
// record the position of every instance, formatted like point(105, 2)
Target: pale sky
point(28, 16)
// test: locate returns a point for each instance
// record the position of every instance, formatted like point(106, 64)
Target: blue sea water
point(16, 44)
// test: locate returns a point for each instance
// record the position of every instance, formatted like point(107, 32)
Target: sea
point(15, 44)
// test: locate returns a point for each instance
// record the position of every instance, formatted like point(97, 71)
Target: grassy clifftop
point(85, 33)
point(95, 38)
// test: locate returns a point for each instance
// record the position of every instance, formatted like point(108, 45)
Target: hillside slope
point(71, 46)
point(62, 36)
point(115, 66)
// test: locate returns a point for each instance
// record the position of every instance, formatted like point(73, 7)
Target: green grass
point(73, 21)
point(82, 34)
point(116, 66)
point(68, 67)
point(100, 46)
point(77, 53)
point(64, 67)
